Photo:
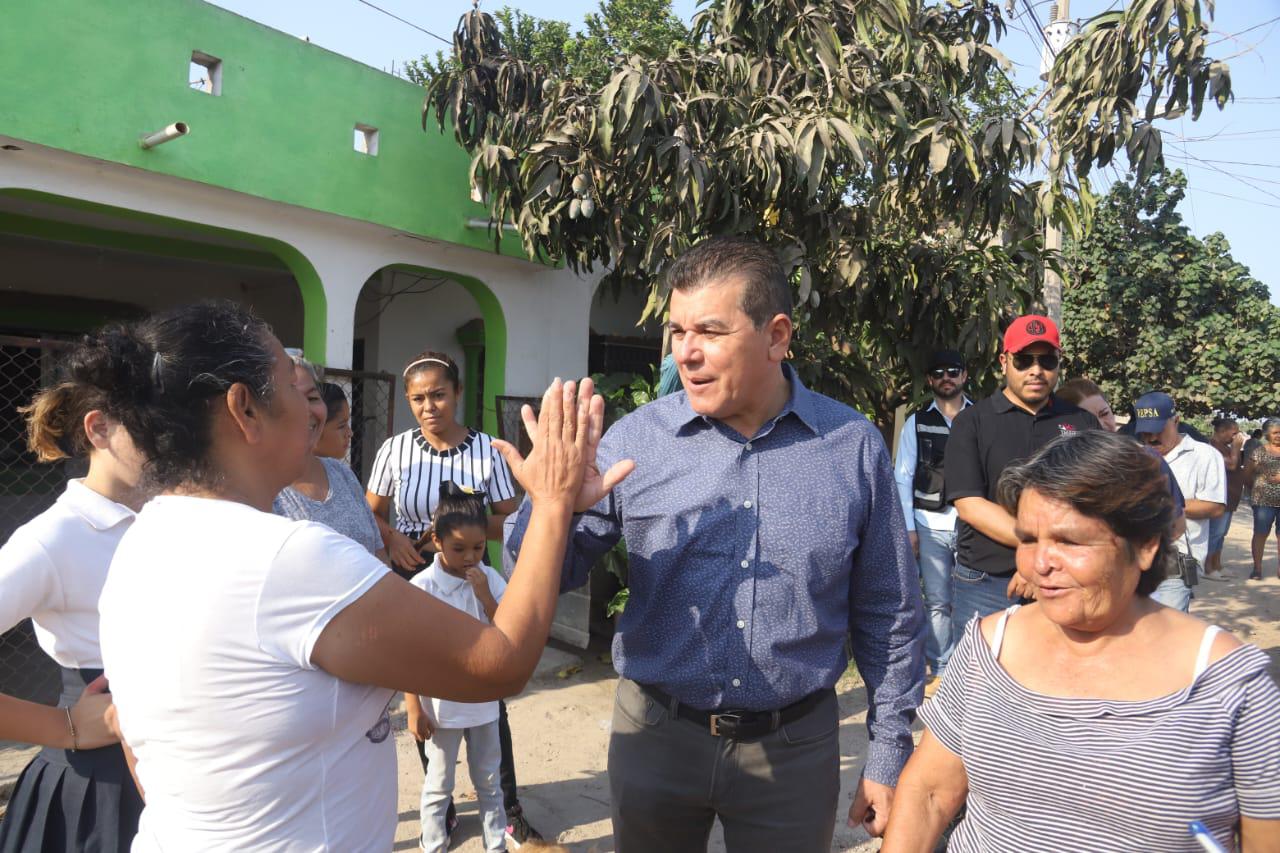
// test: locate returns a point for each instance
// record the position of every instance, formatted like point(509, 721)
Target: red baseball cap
point(1031, 329)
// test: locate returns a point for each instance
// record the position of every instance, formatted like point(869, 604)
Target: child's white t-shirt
point(457, 592)
point(209, 616)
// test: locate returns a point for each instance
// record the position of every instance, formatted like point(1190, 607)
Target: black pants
point(507, 771)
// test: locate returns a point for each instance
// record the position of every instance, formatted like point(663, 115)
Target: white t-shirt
point(209, 617)
point(53, 567)
point(410, 471)
point(457, 592)
point(1202, 475)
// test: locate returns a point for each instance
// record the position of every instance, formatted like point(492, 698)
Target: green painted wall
point(90, 77)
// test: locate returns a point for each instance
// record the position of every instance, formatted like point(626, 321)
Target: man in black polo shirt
point(1007, 427)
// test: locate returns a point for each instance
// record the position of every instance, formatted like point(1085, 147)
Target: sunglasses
point(949, 372)
point(1149, 437)
point(1023, 361)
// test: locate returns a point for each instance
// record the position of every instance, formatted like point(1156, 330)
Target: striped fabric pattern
point(410, 471)
point(1060, 774)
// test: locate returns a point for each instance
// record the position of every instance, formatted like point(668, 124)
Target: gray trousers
point(483, 757)
point(671, 778)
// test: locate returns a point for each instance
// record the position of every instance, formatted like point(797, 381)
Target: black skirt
point(65, 800)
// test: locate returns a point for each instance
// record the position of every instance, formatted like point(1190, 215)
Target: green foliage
point(620, 28)
point(1152, 50)
point(870, 143)
point(626, 392)
point(623, 393)
point(1151, 306)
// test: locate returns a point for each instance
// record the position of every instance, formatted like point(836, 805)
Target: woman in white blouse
point(253, 657)
point(76, 793)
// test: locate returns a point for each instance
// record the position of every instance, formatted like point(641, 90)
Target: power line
point(1242, 32)
point(1235, 197)
point(403, 21)
point(1234, 177)
point(1240, 163)
point(1196, 161)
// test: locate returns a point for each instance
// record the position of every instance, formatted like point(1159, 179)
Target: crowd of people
point(235, 613)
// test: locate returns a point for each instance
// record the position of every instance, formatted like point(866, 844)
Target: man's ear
point(779, 330)
point(246, 412)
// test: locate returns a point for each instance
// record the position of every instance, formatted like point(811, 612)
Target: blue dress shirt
point(751, 560)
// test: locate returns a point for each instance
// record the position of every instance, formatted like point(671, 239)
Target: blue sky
point(1232, 158)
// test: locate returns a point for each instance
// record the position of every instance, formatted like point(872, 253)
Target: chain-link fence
point(27, 488)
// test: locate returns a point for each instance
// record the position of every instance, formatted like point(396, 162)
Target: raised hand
point(566, 435)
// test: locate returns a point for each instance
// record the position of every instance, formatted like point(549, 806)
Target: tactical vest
point(932, 432)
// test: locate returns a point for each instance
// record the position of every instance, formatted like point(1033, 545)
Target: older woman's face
point(1084, 576)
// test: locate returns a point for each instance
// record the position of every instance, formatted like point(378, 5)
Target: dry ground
point(561, 726)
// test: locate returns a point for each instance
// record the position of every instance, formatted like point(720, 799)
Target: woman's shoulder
point(1190, 631)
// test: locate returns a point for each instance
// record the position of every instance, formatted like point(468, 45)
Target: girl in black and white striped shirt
point(410, 466)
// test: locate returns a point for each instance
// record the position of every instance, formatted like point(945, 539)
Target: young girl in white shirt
point(459, 577)
point(76, 794)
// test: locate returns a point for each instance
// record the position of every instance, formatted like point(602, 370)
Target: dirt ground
point(560, 726)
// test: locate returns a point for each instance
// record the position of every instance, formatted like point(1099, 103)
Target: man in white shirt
point(1201, 474)
point(931, 521)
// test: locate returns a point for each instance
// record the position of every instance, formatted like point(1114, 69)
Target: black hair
point(334, 399)
point(181, 364)
point(458, 507)
point(765, 290)
point(1086, 472)
point(432, 360)
point(89, 375)
point(1221, 423)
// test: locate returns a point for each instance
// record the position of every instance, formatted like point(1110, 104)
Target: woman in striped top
point(1094, 719)
point(410, 467)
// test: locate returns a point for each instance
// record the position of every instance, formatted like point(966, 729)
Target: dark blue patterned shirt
point(750, 561)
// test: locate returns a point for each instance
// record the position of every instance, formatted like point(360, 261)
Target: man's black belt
point(737, 724)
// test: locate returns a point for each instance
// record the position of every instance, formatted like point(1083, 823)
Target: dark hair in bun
point(91, 375)
point(459, 507)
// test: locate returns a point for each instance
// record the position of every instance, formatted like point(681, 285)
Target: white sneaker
point(1219, 575)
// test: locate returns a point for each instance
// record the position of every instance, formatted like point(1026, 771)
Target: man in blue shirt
point(763, 527)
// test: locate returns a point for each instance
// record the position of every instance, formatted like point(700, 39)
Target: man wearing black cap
point(931, 522)
point(1007, 427)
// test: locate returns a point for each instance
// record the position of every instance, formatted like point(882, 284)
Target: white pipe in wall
point(173, 131)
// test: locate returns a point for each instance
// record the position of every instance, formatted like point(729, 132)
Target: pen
point(1200, 833)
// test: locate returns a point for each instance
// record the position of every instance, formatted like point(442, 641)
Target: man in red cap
point(1007, 427)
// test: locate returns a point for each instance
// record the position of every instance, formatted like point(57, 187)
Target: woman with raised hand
point(328, 490)
point(76, 793)
point(410, 466)
point(1094, 718)
point(253, 657)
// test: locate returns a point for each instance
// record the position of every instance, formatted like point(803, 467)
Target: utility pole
point(1057, 33)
